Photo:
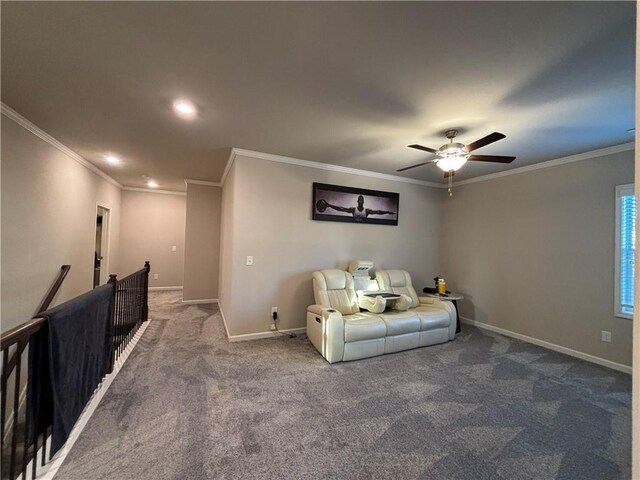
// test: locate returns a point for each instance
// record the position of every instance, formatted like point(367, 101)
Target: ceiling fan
point(453, 155)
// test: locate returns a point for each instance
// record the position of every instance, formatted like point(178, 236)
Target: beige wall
point(151, 224)
point(271, 220)
point(202, 247)
point(48, 219)
point(533, 253)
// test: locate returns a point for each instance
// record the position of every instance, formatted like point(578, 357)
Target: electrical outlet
point(155, 276)
point(274, 310)
point(272, 327)
point(605, 336)
point(174, 248)
point(249, 260)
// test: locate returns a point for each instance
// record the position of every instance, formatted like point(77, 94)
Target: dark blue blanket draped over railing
point(73, 354)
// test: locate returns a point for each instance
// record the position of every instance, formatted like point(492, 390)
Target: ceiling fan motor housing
point(453, 149)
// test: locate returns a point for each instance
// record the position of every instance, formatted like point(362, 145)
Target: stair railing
point(13, 344)
point(129, 312)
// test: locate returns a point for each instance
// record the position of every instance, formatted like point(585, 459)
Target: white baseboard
point(51, 468)
point(160, 289)
point(260, 335)
point(201, 301)
point(551, 346)
point(255, 336)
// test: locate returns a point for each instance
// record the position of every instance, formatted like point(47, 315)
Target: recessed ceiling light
point(184, 109)
point(112, 159)
point(152, 184)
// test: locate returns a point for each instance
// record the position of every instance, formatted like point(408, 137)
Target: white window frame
point(621, 191)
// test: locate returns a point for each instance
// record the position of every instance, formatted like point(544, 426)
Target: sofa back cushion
point(334, 288)
point(398, 282)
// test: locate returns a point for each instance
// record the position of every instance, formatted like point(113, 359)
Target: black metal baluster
point(134, 319)
point(3, 387)
point(121, 311)
point(114, 318)
point(127, 295)
point(25, 446)
point(134, 316)
point(125, 310)
point(142, 319)
point(36, 416)
point(44, 445)
point(116, 338)
point(141, 299)
point(133, 309)
point(120, 318)
point(16, 400)
point(117, 323)
point(145, 313)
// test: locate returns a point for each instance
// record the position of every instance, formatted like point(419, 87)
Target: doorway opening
point(101, 258)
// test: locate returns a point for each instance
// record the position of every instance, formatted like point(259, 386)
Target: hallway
point(170, 412)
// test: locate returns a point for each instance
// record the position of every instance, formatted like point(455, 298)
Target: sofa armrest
point(426, 300)
point(319, 309)
point(444, 305)
point(325, 330)
point(438, 303)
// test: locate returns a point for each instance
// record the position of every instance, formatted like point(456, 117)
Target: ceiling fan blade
point(492, 137)
point(491, 158)
point(425, 149)
point(449, 174)
point(414, 166)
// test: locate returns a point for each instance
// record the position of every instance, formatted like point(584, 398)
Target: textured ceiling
point(350, 84)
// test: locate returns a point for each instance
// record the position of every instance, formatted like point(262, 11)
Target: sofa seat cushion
point(431, 317)
point(363, 326)
point(399, 323)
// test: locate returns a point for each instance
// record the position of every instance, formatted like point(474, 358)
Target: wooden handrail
point(53, 290)
point(26, 329)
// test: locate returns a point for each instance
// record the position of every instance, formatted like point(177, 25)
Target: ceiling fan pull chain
point(450, 189)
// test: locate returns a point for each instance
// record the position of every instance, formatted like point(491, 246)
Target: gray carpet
point(190, 405)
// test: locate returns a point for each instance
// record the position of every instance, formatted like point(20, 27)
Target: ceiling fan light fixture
point(451, 163)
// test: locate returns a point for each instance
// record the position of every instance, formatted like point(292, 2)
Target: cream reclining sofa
point(341, 332)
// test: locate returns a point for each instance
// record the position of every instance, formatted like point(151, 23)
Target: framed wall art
point(336, 203)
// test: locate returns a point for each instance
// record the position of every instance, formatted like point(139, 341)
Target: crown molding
point(227, 167)
point(38, 132)
point(148, 190)
point(625, 147)
point(322, 166)
point(202, 182)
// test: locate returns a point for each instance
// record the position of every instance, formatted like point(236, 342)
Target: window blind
point(627, 252)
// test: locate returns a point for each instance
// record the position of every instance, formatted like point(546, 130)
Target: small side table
point(451, 297)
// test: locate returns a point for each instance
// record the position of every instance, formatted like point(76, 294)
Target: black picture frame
point(337, 203)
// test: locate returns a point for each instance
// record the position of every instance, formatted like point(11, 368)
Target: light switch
point(249, 259)
point(174, 248)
